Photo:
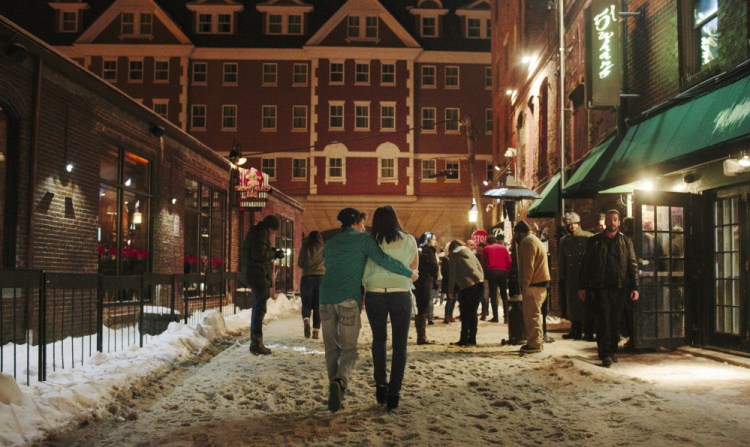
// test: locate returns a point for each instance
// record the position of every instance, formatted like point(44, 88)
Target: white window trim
point(68, 7)
point(263, 118)
point(307, 75)
point(307, 117)
point(482, 15)
point(224, 74)
point(434, 119)
point(304, 177)
point(136, 25)
point(104, 61)
point(383, 179)
point(395, 79)
point(488, 119)
point(453, 180)
point(224, 108)
point(365, 104)
point(275, 77)
point(343, 115)
point(342, 178)
point(488, 76)
point(192, 74)
point(160, 101)
point(458, 77)
point(343, 72)
point(143, 74)
point(437, 26)
point(422, 77)
point(357, 72)
point(457, 130)
point(262, 167)
point(434, 171)
point(192, 116)
point(161, 81)
point(362, 29)
point(388, 104)
point(284, 24)
point(214, 10)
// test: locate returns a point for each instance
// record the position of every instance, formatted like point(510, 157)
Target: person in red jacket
point(497, 264)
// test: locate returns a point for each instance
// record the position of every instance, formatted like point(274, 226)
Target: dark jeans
point(310, 294)
point(609, 303)
point(468, 303)
point(379, 307)
point(498, 279)
point(260, 296)
point(423, 295)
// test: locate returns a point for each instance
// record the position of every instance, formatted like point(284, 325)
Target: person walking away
point(345, 256)
point(497, 263)
point(428, 272)
point(570, 256)
point(311, 262)
point(388, 297)
point(260, 255)
point(465, 273)
point(609, 272)
point(533, 278)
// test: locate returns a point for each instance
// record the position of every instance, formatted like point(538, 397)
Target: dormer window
point(429, 27)
point(215, 18)
point(282, 18)
point(68, 15)
point(476, 19)
point(428, 14)
point(362, 27)
point(136, 24)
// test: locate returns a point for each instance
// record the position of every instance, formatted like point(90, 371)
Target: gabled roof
point(119, 6)
point(363, 7)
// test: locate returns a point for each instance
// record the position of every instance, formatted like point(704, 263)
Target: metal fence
point(51, 320)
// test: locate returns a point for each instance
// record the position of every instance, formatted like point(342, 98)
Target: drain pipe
point(561, 29)
point(33, 160)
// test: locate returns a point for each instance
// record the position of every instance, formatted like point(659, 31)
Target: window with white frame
point(428, 26)
point(452, 169)
point(428, 76)
point(69, 21)
point(362, 27)
point(477, 25)
point(299, 168)
point(214, 23)
point(429, 169)
point(387, 168)
point(136, 24)
point(230, 73)
point(161, 107)
point(294, 24)
point(335, 168)
point(229, 117)
point(361, 115)
point(161, 71)
point(336, 115)
point(198, 117)
point(452, 76)
point(135, 70)
point(299, 118)
point(487, 78)
point(452, 116)
point(387, 116)
point(428, 119)
point(473, 28)
point(299, 75)
point(109, 70)
point(127, 23)
point(284, 24)
point(362, 73)
point(336, 73)
point(488, 121)
point(268, 166)
point(200, 73)
point(270, 74)
point(268, 118)
point(388, 74)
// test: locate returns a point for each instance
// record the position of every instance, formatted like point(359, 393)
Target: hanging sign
point(603, 53)
point(252, 188)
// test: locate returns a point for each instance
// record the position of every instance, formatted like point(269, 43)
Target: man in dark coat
point(259, 255)
point(609, 272)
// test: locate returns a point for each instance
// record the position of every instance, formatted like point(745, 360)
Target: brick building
point(653, 94)
point(340, 102)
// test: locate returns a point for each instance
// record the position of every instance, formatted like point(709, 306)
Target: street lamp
point(473, 211)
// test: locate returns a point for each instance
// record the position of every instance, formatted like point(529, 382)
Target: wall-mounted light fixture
point(137, 215)
point(744, 160)
point(69, 166)
point(473, 211)
point(510, 152)
point(235, 156)
point(156, 130)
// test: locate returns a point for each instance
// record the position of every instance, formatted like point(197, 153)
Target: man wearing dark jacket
point(259, 256)
point(609, 272)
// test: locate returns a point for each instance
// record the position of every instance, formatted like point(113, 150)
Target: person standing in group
point(533, 278)
point(311, 262)
point(259, 256)
point(345, 256)
point(570, 256)
point(497, 263)
point(388, 296)
point(428, 273)
point(609, 273)
point(450, 301)
point(465, 273)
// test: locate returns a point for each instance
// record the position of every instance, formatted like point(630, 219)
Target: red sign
point(252, 188)
point(479, 236)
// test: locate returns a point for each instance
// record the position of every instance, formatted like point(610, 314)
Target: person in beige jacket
point(465, 272)
point(533, 278)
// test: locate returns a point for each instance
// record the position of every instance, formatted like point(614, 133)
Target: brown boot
point(257, 347)
point(421, 324)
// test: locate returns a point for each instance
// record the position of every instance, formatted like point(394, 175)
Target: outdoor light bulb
point(509, 92)
point(497, 167)
point(69, 167)
point(241, 161)
point(485, 182)
point(174, 201)
point(647, 185)
point(744, 161)
point(127, 182)
point(526, 59)
point(473, 211)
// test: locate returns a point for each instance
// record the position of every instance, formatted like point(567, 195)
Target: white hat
point(571, 217)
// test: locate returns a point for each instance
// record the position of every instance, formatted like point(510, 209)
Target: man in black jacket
point(259, 256)
point(609, 271)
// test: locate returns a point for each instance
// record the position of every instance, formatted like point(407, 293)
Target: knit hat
point(571, 217)
point(349, 216)
point(522, 227)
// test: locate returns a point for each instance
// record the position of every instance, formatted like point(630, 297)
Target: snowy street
point(486, 395)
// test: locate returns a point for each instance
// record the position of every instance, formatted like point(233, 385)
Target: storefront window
point(124, 213)
point(727, 266)
point(706, 26)
point(204, 228)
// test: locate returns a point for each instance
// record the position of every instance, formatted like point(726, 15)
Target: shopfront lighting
point(744, 161)
point(137, 215)
point(69, 167)
point(473, 211)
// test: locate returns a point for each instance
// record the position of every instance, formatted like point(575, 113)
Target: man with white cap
point(533, 279)
point(570, 255)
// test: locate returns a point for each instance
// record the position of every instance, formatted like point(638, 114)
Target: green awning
point(585, 180)
point(682, 136)
point(549, 202)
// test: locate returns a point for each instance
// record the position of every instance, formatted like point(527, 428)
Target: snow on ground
point(487, 395)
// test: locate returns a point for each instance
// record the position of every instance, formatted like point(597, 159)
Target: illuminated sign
point(252, 188)
point(603, 54)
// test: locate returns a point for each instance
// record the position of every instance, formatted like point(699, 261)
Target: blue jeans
point(341, 324)
point(310, 293)
point(260, 296)
point(379, 307)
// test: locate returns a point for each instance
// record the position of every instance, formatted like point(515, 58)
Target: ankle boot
point(381, 391)
point(257, 347)
point(316, 333)
point(392, 401)
point(421, 324)
point(306, 322)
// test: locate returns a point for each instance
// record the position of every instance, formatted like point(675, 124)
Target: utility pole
point(563, 53)
point(469, 129)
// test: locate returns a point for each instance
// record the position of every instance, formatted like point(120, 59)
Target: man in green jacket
point(345, 256)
